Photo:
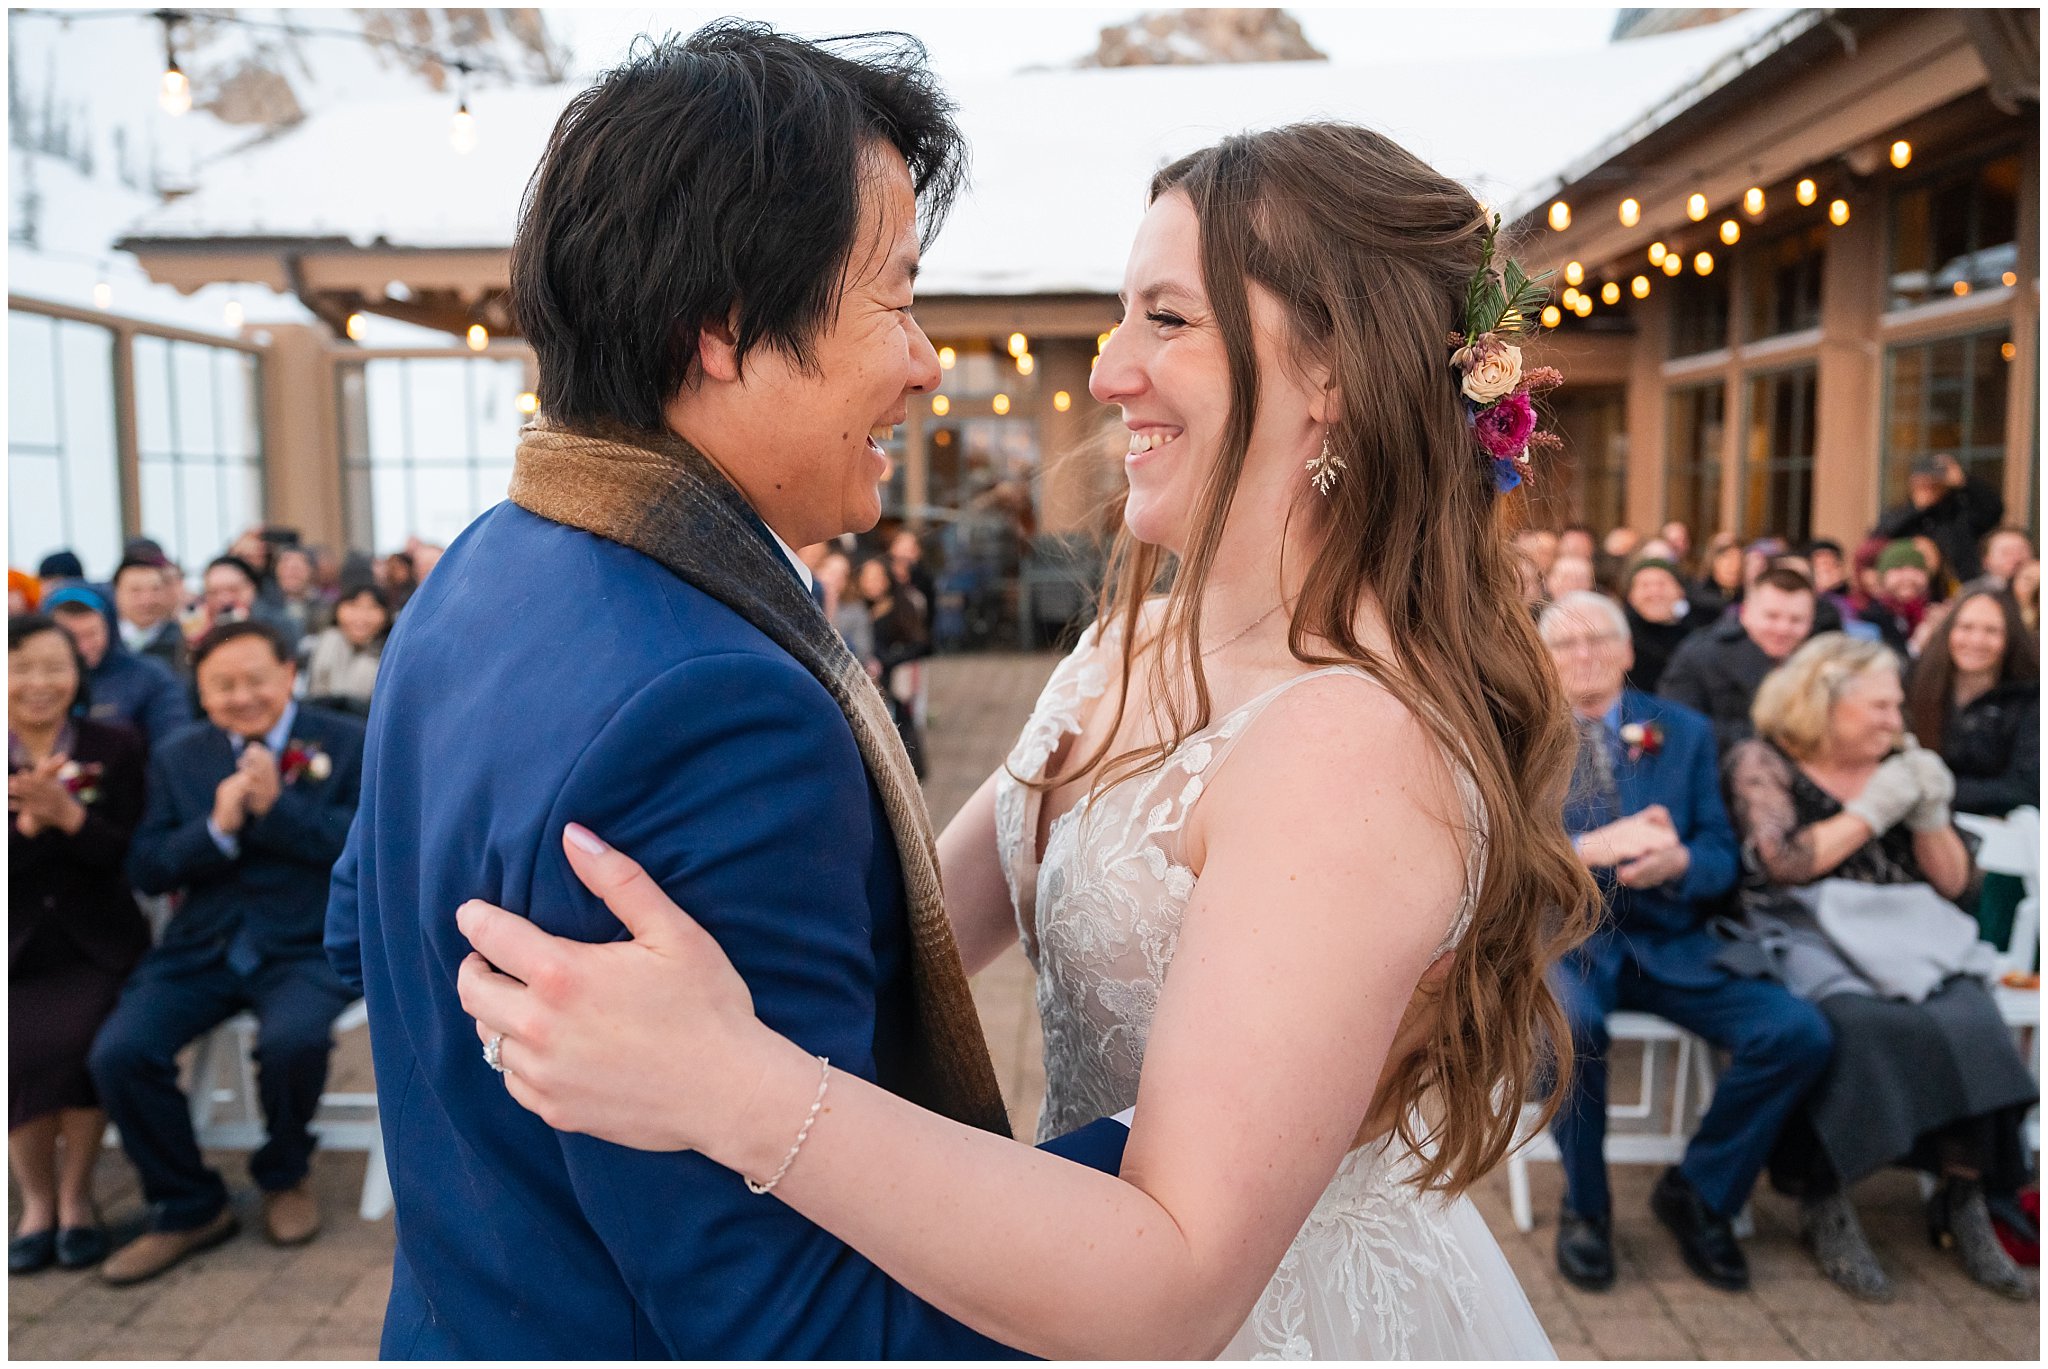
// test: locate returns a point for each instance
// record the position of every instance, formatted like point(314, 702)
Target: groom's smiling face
point(803, 442)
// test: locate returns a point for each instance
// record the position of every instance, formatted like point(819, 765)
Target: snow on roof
point(1060, 164)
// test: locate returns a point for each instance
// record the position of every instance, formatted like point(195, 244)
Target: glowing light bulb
point(462, 129)
point(1571, 298)
point(1062, 401)
point(354, 327)
point(1838, 212)
point(1610, 293)
point(1640, 287)
point(2007, 350)
point(1658, 251)
point(1552, 316)
point(527, 403)
point(1560, 216)
point(1573, 273)
point(1673, 264)
point(1902, 154)
point(1102, 340)
point(1585, 306)
point(1753, 200)
point(1696, 207)
point(1731, 232)
point(948, 358)
point(102, 295)
point(175, 92)
point(231, 313)
point(1019, 344)
point(1631, 212)
point(1704, 263)
point(1001, 404)
point(941, 405)
point(478, 337)
point(1806, 192)
point(1962, 287)
point(1025, 364)
point(2009, 278)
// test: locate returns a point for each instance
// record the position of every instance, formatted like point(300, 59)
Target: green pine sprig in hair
point(1502, 299)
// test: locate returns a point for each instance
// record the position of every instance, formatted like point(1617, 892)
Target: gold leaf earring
point(1323, 468)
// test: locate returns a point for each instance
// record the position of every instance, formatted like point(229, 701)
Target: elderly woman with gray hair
point(1851, 861)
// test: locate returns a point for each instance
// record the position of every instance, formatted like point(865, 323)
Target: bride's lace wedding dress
point(1380, 1270)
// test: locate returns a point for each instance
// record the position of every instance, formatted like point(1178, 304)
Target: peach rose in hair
point(1492, 368)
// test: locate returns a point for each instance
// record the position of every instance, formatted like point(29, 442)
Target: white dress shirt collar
point(795, 560)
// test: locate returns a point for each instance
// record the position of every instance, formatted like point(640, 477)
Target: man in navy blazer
point(1646, 815)
point(246, 814)
point(727, 192)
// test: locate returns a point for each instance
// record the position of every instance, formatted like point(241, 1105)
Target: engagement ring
point(491, 1049)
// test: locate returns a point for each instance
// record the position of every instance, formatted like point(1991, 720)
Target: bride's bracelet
point(803, 1132)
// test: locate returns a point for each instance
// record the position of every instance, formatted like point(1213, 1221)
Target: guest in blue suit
point(631, 642)
point(1646, 815)
point(246, 814)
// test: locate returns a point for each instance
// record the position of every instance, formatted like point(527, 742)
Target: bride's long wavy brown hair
point(1370, 253)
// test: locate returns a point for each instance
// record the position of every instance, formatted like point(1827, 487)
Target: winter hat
point(61, 565)
point(1900, 553)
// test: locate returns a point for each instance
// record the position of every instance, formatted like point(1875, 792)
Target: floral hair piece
point(1499, 396)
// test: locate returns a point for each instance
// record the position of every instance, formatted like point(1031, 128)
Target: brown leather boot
point(153, 1252)
point(290, 1215)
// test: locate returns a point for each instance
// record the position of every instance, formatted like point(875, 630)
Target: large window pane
point(1777, 458)
point(1699, 314)
point(1784, 294)
point(1693, 484)
point(1955, 232)
point(200, 445)
point(1947, 396)
point(63, 478)
point(427, 444)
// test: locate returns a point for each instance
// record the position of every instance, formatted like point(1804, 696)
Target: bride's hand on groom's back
point(650, 1042)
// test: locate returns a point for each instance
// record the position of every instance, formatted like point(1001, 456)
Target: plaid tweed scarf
point(655, 493)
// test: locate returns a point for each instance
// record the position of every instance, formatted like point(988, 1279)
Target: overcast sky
point(966, 39)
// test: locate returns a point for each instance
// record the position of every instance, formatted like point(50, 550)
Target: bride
point(1282, 843)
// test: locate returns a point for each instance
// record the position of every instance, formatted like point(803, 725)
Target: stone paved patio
point(247, 1300)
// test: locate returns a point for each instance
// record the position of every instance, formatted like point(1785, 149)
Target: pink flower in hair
point(1504, 428)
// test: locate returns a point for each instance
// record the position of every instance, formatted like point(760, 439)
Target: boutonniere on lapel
point(1641, 739)
point(81, 779)
point(304, 758)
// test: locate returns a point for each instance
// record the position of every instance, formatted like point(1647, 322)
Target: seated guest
point(2026, 592)
point(1721, 580)
point(1678, 537)
point(2005, 551)
point(1717, 669)
point(145, 611)
point(343, 667)
point(1659, 618)
point(1830, 571)
point(231, 593)
point(74, 794)
point(1577, 540)
point(1901, 599)
point(247, 814)
point(297, 605)
point(60, 568)
point(1975, 697)
point(1645, 815)
point(1610, 567)
point(846, 610)
point(1540, 546)
point(1826, 617)
point(24, 593)
point(1568, 575)
point(134, 691)
point(1851, 858)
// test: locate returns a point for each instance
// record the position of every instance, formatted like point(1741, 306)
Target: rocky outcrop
point(1203, 37)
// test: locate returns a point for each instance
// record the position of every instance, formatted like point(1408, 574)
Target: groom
point(714, 268)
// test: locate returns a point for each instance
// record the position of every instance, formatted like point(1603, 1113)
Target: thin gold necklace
point(1245, 630)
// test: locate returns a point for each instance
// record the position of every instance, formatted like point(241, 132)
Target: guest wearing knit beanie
point(1901, 600)
point(1659, 617)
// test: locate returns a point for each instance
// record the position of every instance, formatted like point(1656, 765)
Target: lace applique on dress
point(1379, 1269)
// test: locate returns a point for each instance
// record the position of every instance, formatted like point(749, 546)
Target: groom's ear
point(718, 353)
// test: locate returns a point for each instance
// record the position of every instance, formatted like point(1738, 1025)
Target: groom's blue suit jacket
point(543, 675)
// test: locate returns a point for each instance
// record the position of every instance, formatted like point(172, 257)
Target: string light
point(941, 405)
point(1610, 293)
point(1673, 263)
point(1062, 401)
point(1631, 211)
point(1640, 287)
point(527, 403)
point(478, 337)
point(1584, 306)
point(1552, 317)
point(1658, 251)
point(2009, 278)
point(1731, 232)
point(948, 358)
point(102, 295)
point(354, 327)
point(1962, 288)
point(1001, 404)
point(1019, 344)
point(1704, 263)
point(1560, 216)
point(1902, 154)
point(1571, 298)
point(1025, 364)
point(231, 313)
point(2007, 350)
point(174, 93)
point(1838, 212)
point(1102, 340)
point(1806, 192)
point(1753, 201)
point(1573, 273)
point(1696, 207)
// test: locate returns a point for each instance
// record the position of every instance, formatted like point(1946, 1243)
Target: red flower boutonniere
point(81, 779)
point(304, 758)
point(1641, 739)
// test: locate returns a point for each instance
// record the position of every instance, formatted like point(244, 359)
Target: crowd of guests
point(883, 609)
point(1774, 744)
point(191, 750)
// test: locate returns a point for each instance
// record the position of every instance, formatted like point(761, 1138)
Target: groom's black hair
point(715, 176)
